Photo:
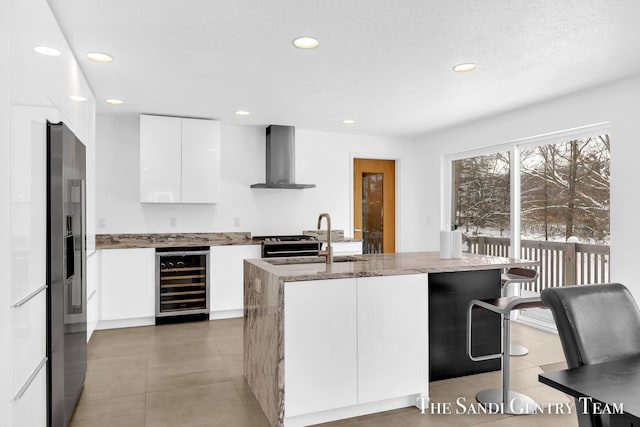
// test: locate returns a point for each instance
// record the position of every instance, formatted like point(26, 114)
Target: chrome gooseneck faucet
point(328, 252)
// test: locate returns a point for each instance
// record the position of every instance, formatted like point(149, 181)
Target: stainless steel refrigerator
point(66, 273)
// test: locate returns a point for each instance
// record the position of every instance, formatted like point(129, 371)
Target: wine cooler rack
point(182, 284)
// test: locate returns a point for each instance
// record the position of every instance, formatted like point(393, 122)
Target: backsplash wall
point(322, 158)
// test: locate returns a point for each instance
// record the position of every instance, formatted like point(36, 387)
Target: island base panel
point(449, 296)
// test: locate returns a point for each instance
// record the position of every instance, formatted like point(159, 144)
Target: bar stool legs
point(509, 401)
point(517, 275)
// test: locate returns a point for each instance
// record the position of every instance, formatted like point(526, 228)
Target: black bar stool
point(512, 276)
point(511, 402)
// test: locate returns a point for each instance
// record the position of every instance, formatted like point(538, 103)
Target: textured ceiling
point(386, 64)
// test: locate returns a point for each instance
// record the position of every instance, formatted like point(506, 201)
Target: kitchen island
point(364, 334)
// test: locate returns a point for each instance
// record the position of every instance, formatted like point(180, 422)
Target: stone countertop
point(164, 240)
point(311, 268)
point(336, 236)
point(264, 360)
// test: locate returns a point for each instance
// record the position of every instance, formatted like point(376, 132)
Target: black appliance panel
point(66, 273)
point(289, 246)
point(182, 284)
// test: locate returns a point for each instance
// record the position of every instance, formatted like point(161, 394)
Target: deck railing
point(561, 264)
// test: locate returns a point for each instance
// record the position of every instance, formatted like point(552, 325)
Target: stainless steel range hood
point(281, 159)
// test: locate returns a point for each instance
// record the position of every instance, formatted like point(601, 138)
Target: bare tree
point(565, 189)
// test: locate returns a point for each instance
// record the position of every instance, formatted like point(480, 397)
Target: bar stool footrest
point(518, 403)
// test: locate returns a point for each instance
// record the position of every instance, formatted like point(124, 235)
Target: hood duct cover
point(281, 159)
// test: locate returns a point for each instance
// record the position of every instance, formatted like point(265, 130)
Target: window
point(560, 215)
point(565, 191)
point(481, 206)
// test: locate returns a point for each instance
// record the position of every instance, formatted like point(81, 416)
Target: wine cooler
point(182, 284)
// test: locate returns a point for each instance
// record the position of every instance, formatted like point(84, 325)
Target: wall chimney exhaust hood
point(281, 159)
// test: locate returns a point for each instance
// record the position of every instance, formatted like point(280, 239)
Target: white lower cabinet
point(93, 306)
point(354, 341)
point(30, 408)
point(28, 353)
point(226, 284)
point(127, 283)
point(127, 280)
point(393, 336)
point(320, 339)
point(29, 338)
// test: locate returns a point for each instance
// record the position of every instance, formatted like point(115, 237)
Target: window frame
point(514, 148)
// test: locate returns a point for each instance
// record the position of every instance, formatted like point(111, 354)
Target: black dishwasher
point(182, 284)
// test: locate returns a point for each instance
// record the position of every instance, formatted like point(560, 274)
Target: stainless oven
point(288, 246)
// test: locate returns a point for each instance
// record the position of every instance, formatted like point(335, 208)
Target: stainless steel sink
point(311, 260)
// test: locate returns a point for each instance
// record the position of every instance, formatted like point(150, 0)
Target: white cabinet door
point(160, 153)
point(127, 287)
point(200, 161)
point(319, 345)
point(29, 338)
point(227, 275)
point(392, 336)
point(179, 160)
point(93, 307)
point(30, 409)
point(28, 199)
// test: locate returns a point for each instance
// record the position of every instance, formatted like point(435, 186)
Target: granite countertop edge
point(378, 265)
point(166, 240)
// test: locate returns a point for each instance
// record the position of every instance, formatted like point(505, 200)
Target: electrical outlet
point(102, 223)
point(173, 221)
point(236, 221)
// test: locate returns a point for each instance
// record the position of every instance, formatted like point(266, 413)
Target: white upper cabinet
point(160, 154)
point(179, 160)
point(200, 161)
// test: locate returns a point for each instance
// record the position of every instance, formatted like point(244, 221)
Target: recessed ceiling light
point(348, 121)
point(242, 113)
point(99, 57)
point(464, 67)
point(77, 98)
point(113, 101)
point(306, 43)
point(47, 51)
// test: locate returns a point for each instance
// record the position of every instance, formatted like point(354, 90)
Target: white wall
point(616, 103)
point(322, 158)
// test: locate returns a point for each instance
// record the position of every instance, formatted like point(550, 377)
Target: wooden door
point(374, 204)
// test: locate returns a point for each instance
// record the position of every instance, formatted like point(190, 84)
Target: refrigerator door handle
point(75, 245)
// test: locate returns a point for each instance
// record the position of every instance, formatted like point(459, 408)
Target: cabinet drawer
point(29, 340)
point(30, 409)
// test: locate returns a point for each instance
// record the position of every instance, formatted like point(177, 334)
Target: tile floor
point(190, 375)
